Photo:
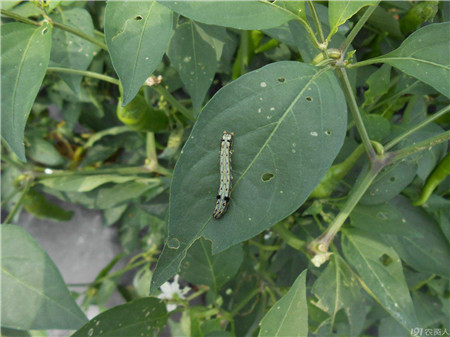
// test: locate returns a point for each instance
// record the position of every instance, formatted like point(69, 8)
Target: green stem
point(17, 206)
point(351, 101)
point(288, 237)
point(80, 34)
point(244, 52)
point(151, 149)
point(421, 146)
point(418, 126)
point(244, 301)
point(20, 18)
point(119, 272)
point(321, 244)
point(84, 73)
point(264, 247)
point(355, 30)
point(316, 20)
point(161, 89)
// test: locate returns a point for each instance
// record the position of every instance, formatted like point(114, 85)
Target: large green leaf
point(201, 267)
point(34, 295)
point(192, 51)
point(137, 34)
point(424, 55)
point(142, 317)
point(69, 50)
point(341, 11)
point(235, 14)
point(337, 288)
point(25, 57)
point(381, 271)
point(422, 245)
point(289, 122)
point(289, 315)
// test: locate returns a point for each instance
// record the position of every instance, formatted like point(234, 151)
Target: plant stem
point(161, 89)
point(17, 206)
point(417, 127)
point(80, 34)
point(351, 101)
point(316, 20)
point(288, 237)
point(84, 73)
point(355, 30)
point(20, 18)
point(423, 145)
point(244, 301)
point(321, 244)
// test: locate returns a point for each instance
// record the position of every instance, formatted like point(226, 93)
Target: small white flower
point(169, 289)
point(267, 235)
point(48, 171)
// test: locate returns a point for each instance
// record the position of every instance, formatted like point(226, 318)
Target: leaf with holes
point(288, 316)
point(201, 267)
point(34, 295)
point(424, 55)
point(69, 50)
point(381, 271)
point(25, 57)
point(289, 122)
point(142, 317)
point(236, 14)
point(192, 51)
point(137, 34)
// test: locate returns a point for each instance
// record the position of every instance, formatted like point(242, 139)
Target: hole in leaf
point(281, 79)
point(392, 179)
point(138, 17)
point(173, 243)
point(267, 177)
point(327, 132)
point(385, 260)
point(309, 98)
point(44, 31)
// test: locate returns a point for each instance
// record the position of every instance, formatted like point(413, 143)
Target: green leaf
point(44, 152)
point(289, 315)
point(5, 332)
point(341, 11)
point(142, 317)
point(34, 295)
point(422, 244)
point(201, 267)
point(37, 204)
point(378, 128)
point(386, 22)
point(137, 34)
point(381, 271)
point(69, 50)
point(390, 182)
point(240, 15)
point(378, 84)
point(25, 56)
point(74, 183)
point(192, 51)
point(289, 122)
point(424, 55)
point(336, 288)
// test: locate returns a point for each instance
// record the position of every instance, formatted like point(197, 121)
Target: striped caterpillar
point(223, 196)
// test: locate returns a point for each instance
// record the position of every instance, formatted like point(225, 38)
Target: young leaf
point(289, 122)
point(74, 183)
point(142, 317)
point(69, 50)
point(137, 34)
point(378, 84)
point(192, 51)
point(201, 267)
point(25, 57)
point(240, 15)
point(424, 55)
point(381, 271)
point(34, 295)
point(341, 11)
point(37, 204)
point(288, 316)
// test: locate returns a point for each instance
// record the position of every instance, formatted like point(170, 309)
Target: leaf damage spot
point(268, 176)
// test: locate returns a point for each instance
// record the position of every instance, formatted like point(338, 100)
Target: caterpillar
point(223, 196)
